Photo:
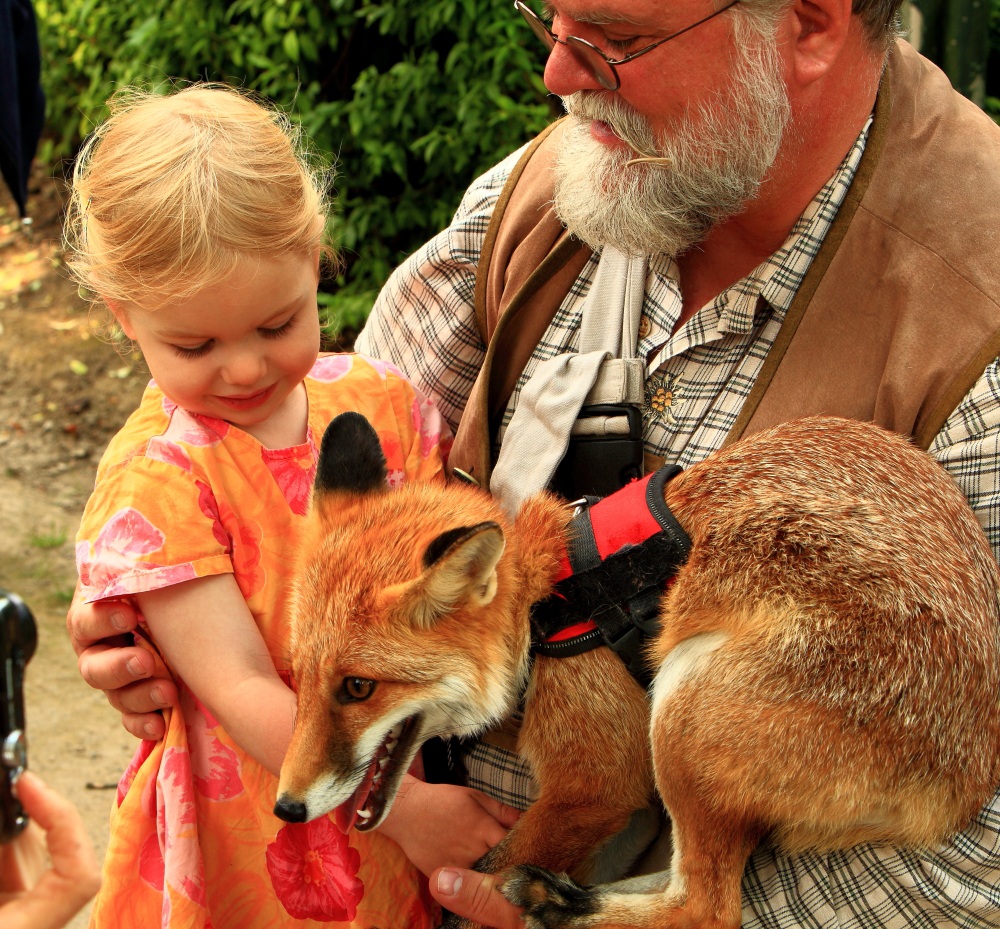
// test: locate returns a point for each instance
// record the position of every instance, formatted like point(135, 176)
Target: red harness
point(623, 552)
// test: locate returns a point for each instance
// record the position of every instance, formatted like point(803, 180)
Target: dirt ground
point(63, 392)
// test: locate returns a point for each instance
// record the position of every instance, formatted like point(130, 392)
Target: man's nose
point(566, 74)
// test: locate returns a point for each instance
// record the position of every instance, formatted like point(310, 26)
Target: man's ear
point(817, 31)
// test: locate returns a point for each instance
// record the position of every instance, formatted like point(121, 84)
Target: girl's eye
point(278, 331)
point(195, 352)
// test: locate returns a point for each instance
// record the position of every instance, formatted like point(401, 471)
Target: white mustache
point(628, 125)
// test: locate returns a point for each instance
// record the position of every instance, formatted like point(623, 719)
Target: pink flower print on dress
point(161, 449)
point(210, 507)
point(383, 367)
point(243, 548)
point(125, 781)
point(200, 431)
point(331, 368)
point(314, 871)
point(427, 423)
point(246, 560)
point(294, 481)
point(151, 867)
point(177, 823)
point(115, 569)
point(215, 767)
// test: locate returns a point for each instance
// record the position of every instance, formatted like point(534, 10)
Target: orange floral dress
point(194, 843)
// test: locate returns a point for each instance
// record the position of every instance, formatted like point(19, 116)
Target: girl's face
point(236, 350)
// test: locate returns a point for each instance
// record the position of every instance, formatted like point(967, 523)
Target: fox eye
point(357, 688)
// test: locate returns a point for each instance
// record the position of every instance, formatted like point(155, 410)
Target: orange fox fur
point(828, 665)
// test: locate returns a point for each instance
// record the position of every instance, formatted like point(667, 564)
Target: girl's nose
point(243, 368)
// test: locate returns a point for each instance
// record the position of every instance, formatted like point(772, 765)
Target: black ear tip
point(350, 457)
point(346, 426)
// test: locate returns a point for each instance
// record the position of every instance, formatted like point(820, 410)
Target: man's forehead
point(603, 12)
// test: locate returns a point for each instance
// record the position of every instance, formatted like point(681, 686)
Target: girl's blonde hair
point(171, 192)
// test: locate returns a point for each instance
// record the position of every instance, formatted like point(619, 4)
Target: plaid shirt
point(697, 381)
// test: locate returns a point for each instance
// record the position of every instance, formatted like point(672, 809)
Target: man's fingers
point(89, 623)
point(476, 897)
point(145, 725)
point(115, 664)
point(505, 815)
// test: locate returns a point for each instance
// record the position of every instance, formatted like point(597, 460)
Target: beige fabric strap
point(605, 367)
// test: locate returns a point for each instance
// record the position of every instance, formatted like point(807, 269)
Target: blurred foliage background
point(410, 100)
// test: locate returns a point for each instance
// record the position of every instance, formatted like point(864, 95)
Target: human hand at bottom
point(443, 824)
point(475, 897)
point(31, 896)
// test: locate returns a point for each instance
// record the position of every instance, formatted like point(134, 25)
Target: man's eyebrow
point(595, 18)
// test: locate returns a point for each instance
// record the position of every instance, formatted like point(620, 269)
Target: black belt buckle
point(599, 462)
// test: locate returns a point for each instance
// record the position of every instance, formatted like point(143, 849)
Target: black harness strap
point(619, 595)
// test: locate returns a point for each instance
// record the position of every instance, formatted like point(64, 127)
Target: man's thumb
point(474, 896)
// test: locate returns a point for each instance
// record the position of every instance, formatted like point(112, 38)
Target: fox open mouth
point(364, 808)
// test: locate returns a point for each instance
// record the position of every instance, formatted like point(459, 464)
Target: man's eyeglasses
point(590, 56)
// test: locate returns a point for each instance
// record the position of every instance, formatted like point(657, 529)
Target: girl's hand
point(31, 896)
point(441, 824)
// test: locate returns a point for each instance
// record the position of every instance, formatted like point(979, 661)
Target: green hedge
point(411, 100)
point(963, 37)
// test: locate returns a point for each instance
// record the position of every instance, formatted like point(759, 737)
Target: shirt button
point(645, 326)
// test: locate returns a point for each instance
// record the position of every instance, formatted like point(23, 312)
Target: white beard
point(717, 154)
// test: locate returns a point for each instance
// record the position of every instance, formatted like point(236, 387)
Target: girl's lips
point(250, 401)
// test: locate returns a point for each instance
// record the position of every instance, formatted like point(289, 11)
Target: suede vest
point(898, 315)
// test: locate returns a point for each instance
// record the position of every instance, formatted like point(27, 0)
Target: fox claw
point(550, 901)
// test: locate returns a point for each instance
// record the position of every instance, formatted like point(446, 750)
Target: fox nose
point(291, 811)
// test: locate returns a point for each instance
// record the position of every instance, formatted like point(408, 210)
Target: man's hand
point(442, 824)
point(133, 678)
point(32, 897)
point(475, 897)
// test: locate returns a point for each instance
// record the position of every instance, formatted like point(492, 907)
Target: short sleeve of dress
point(149, 524)
point(415, 437)
point(417, 429)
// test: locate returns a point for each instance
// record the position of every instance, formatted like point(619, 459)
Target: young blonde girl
point(195, 220)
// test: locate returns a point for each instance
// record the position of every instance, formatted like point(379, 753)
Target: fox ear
point(460, 566)
point(350, 458)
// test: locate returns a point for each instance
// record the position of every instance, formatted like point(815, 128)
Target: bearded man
point(776, 208)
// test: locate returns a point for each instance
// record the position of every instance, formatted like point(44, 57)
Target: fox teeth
point(391, 745)
point(383, 762)
point(396, 731)
point(365, 815)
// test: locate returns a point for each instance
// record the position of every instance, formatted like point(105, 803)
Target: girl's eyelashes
point(278, 331)
point(195, 352)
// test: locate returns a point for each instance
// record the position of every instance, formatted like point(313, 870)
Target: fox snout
point(289, 809)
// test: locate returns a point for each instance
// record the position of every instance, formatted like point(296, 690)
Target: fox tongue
point(346, 815)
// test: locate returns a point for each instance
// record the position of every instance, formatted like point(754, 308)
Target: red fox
point(826, 673)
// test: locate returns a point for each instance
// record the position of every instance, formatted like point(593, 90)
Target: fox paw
point(550, 901)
